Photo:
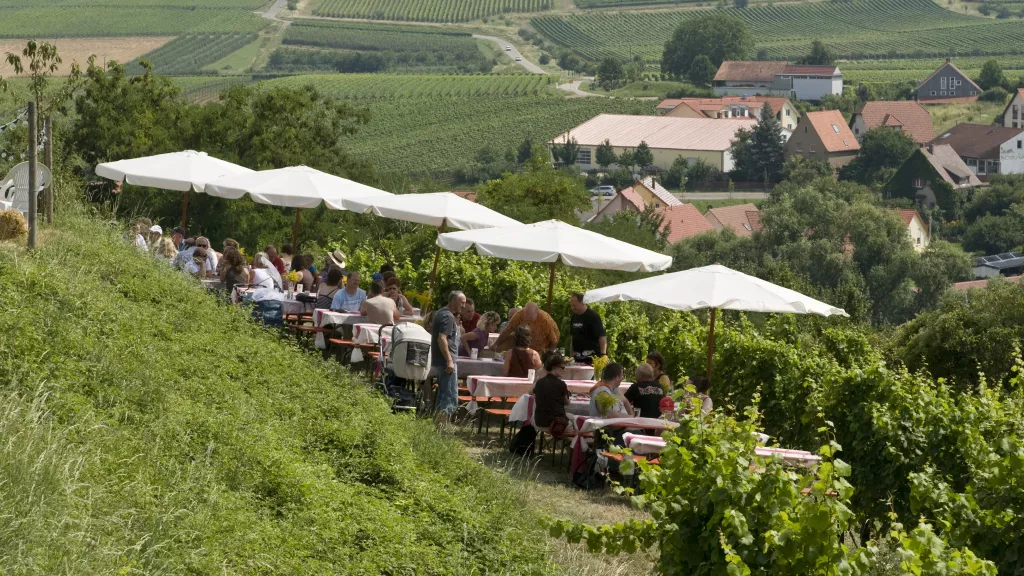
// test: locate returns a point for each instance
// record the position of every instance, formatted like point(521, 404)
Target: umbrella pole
point(184, 208)
point(551, 286)
point(295, 229)
point(433, 273)
point(711, 341)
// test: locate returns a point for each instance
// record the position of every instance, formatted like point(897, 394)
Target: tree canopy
point(882, 151)
point(701, 71)
point(539, 192)
point(718, 36)
point(819, 55)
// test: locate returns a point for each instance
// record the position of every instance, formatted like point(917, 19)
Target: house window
point(787, 111)
point(690, 161)
point(952, 93)
point(856, 131)
point(918, 240)
point(974, 92)
point(1015, 107)
point(942, 83)
point(1020, 144)
point(918, 183)
point(810, 148)
point(959, 82)
point(943, 93)
point(1015, 124)
point(799, 147)
point(835, 128)
point(583, 157)
point(932, 93)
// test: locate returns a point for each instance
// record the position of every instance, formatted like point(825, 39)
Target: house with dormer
point(947, 85)
point(824, 136)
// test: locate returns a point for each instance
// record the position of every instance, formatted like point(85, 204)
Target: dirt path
point(274, 10)
point(574, 88)
point(513, 53)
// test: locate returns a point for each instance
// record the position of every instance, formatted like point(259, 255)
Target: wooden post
point(48, 160)
point(295, 230)
point(33, 176)
point(711, 341)
point(551, 285)
point(184, 209)
point(433, 273)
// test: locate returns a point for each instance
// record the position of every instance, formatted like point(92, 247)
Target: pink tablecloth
point(496, 386)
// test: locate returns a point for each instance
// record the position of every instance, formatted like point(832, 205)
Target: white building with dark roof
point(795, 81)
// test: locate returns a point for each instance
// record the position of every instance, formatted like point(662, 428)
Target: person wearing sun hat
point(335, 259)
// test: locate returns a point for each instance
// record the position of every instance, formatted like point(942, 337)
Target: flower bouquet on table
point(293, 277)
point(599, 364)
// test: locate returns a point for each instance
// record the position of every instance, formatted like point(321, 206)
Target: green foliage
point(701, 71)
point(605, 154)
point(610, 74)
point(343, 61)
point(642, 156)
point(641, 229)
point(566, 153)
point(77, 19)
point(882, 151)
point(819, 55)
point(758, 153)
point(539, 192)
point(991, 75)
point(153, 413)
point(996, 234)
point(718, 36)
point(190, 53)
point(675, 176)
point(802, 171)
point(852, 30)
point(425, 10)
point(996, 94)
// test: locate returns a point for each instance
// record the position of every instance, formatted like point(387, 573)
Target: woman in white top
point(261, 278)
point(606, 400)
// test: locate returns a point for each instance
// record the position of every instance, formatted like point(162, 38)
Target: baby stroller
point(405, 361)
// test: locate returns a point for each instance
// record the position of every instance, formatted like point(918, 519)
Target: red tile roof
point(658, 190)
point(802, 69)
point(631, 196)
point(832, 129)
point(740, 70)
point(709, 106)
point(735, 218)
point(965, 286)
point(908, 215)
point(907, 114)
point(950, 166)
point(683, 221)
point(754, 217)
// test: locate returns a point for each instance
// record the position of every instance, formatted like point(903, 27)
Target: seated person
point(511, 312)
point(477, 339)
point(521, 358)
point(260, 272)
point(196, 265)
point(329, 287)
point(350, 298)
point(702, 386)
point(378, 308)
point(301, 265)
point(551, 395)
point(657, 362)
point(646, 393)
point(543, 329)
point(606, 400)
point(233, 271)
point(393, 288)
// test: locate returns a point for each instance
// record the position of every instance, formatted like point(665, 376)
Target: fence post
point(33, 176)
point(48, 160)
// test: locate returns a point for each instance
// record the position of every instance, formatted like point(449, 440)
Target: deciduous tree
point(538, 192)
point(718, 36)
point(882, 150)
point(702, 71)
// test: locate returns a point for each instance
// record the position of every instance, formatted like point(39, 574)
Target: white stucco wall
point(918, 235)
point(814, 89)
point(1011, 158)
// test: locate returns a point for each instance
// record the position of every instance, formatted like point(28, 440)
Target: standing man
point(444, 343)
point(542, 327)
point(352, 297)
point(275, 260)
point(469, 316)
point(587, 332)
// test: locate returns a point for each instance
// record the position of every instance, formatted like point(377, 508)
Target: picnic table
point(243, 295)
point(329, 319)
point(643, 444)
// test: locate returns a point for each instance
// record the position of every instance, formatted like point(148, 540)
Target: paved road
point(691, 196)
point(574, 88)
point(530, 66)
point(273, 11)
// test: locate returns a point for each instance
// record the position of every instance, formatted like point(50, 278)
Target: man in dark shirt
point(444, 344)
point(645, 394)
point(550, 392)
point(469, 316)
point(587, 331)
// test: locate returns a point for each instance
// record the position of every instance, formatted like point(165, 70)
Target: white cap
point(157, 229)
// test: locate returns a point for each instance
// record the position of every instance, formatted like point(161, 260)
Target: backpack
point(522, 443)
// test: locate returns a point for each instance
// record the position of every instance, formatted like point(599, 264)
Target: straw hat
point(337, 258)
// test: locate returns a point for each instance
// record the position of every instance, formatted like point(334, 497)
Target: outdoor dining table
point(288, 305)
point(328, 319)
point(479, 367)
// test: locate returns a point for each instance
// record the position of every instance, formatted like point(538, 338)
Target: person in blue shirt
point(351, 298)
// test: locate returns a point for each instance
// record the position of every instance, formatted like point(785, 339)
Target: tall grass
point(148, 428)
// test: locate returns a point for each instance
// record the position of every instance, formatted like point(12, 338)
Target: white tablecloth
point(480, 367)
point(642, 444)
point(501, 386)
point(288, 305)
point(593, 424)
point(323, 318)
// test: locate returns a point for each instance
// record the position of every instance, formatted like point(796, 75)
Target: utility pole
point(33, 176)
point(48, 160)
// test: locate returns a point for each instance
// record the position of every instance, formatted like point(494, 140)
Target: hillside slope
point(149, 429)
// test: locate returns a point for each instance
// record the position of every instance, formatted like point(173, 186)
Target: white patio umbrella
point(439, 209)
point(715, 287)
point(293, 187)
point(552, 241)
point(181, 171)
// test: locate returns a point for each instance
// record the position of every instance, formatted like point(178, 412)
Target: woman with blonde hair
point(164, 250)
point(478, 337)
point(260, 275)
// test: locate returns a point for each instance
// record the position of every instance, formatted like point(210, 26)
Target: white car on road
point(519, 58)
point(508, 48)
point(603, 191)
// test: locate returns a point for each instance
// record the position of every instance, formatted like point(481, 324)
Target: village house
point(920, 236)
point(681, 220)
point(1013, 114)
point(947, 85)
point(907, 116)
point(744, 219)
point(985, 149)
point(731, 107)
point(795, 81)
point(929, 174)
point(823, 136)
point(668, 138)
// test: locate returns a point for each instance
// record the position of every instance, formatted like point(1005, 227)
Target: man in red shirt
point(469, 316)
point(274, 258)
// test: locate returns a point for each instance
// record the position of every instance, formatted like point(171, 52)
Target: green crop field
point(611, 3)
point(432, 124)
point(399, 47)
point(917, 69)
point(188, 54)
point(855, 29)
point(426, 10)
point(84, 18)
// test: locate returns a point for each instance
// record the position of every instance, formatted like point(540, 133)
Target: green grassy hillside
point(149, 429)
point(853, 29)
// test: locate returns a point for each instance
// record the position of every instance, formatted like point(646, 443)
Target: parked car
point(519, 58)
point(603, 191)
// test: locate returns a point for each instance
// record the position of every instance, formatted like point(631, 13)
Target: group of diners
point(529, 338)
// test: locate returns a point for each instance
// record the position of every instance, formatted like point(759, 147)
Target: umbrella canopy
point(181, 171)
point(292, 187)
point(713, 286)
point(434, 209)
point(551, 241)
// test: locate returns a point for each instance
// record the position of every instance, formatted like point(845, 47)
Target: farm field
point(86, 18)
point(190, 53)
point(426, 10)
point(79, 49)
point(918, 69)
point(856, 29)
point(431, 124)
